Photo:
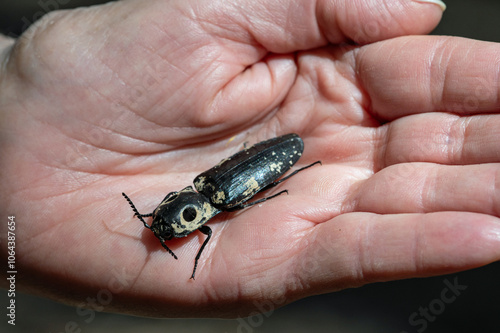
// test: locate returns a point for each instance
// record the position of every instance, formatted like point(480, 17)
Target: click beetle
point(226, 187)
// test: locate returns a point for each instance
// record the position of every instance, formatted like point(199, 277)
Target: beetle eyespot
point(189, 214)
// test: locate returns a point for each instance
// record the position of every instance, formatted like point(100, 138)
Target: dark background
point(380, 307)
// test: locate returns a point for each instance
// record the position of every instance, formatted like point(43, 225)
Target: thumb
point(289, 26)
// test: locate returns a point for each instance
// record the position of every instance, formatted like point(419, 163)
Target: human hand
point(140, 97)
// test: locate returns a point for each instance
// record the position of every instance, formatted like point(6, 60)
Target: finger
point(247, 32)
point(4, 43)
point(288, 26)
point(283, 27)
point(426, 187)
point(441, 138)
point(355, 249)
point(410, 75)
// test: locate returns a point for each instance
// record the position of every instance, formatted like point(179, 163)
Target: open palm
point(142, 96)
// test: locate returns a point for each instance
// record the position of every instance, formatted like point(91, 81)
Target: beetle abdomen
point(238, 178)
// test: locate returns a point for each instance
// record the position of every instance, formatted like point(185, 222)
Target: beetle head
point(181, 213)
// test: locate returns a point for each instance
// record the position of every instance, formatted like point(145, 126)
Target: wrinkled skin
point(141, 96)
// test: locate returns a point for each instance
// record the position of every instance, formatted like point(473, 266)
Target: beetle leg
point(248, 204)
point(207, 231)
point(290, 175)
point(162, 242)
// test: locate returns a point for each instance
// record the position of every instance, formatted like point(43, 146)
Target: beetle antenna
point(136, 212)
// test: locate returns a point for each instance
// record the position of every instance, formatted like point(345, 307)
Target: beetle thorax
point(182, 213)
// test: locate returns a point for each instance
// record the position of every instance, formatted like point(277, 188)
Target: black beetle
point(225, 187)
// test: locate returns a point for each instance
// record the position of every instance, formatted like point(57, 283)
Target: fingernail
point(441, 4)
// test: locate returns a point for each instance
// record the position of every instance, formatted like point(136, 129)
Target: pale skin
point(142, 96)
